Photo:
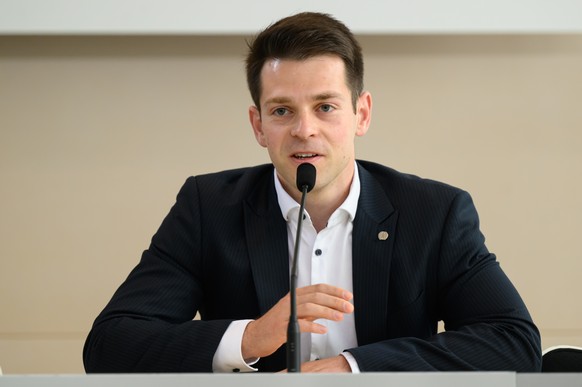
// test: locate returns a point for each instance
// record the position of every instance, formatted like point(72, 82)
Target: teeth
point(305, 155)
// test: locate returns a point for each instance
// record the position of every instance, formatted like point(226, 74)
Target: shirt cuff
point(228, 355)
point(351, 361)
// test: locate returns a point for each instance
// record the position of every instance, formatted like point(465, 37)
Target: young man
point(385, 255)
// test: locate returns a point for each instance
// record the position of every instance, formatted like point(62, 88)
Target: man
point(385, 255)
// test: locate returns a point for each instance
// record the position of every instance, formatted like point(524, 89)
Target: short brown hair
point(300, 37)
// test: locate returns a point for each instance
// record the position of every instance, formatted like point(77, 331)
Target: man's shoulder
point(238, 174)
point(398, 184)
point(413, 196)
point(238, 182)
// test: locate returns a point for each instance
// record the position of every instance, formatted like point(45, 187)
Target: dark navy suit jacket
point(222, 250)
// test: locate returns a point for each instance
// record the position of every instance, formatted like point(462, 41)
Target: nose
point(305, 126)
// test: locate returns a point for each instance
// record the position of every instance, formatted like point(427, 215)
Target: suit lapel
point(372, 246)
point(266, 234)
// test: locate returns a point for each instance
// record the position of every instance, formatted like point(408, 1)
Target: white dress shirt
point(324, 257)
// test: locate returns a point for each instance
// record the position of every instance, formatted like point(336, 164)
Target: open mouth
point(305, 156)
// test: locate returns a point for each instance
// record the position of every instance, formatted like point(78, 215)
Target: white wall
point(245, 17)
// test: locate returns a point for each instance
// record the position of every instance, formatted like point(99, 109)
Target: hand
point(264, 336)
point(337, 364)
point(330, 365)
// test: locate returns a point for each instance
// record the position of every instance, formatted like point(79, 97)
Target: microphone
point(305, 183)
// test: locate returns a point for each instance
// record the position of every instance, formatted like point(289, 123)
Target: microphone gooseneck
point(305, 183)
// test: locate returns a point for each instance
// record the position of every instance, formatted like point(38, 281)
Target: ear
point(257, 124)
point(364, 113)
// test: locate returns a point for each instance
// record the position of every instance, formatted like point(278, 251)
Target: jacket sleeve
point(147, 326)
point(487, 325)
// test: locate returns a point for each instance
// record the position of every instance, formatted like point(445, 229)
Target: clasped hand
point(265, 335)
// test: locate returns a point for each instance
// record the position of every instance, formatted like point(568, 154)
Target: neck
point(321, 204)
point(320, 213)
point(324, 199)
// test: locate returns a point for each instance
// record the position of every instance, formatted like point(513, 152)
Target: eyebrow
point(278, 100)
point(318, 97)
point(325, 96)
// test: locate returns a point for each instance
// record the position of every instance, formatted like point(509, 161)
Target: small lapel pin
point(383, 235)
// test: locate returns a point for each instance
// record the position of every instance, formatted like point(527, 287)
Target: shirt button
point(318, 252)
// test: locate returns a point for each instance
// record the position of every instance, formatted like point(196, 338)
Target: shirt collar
point(349, 206)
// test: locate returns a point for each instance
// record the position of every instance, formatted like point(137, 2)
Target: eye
point(280, 111)
point(326, 108)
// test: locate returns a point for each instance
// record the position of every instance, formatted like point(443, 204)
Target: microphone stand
point(293, 331)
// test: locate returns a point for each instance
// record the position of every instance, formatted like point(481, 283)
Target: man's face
point(307, 115)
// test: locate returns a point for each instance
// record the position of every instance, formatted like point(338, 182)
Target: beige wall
point(97, 134)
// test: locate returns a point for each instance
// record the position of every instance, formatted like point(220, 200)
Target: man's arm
point(147, 326)
point(487, 324)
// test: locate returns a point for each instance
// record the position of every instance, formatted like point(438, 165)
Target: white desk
point(409, 379)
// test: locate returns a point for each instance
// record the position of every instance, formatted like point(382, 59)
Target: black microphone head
point(305, 176)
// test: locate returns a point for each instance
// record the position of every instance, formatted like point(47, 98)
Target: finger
point(312, 327)
point(327, 301)
point(311, 312)
point(326, 289)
